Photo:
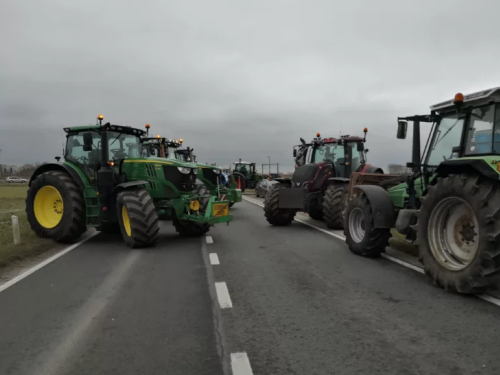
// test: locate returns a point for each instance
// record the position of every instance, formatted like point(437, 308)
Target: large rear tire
point(137, 218)
point(55, 207)
point(315, 210)
point(361, 235)
point(334, 205)
point(459, 233)
point(276, 216)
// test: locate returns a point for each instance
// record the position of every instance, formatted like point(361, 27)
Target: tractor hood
point(153, 160)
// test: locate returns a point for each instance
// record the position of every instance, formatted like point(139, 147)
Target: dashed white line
point(240, 364)
point(485, 297)
point(209, 239)
point(214, 259)
point(223, 295)
point(44, 263)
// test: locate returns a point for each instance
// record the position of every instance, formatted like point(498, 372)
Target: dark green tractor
point(211, 181)
point(245, 175)
point(450, 205)
point(106, 183)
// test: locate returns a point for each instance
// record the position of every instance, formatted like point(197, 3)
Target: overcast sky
point(237, 79)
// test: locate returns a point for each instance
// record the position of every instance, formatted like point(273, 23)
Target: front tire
point(137, 218)
point(458, 233)
point(334, 205)
point(361, 235)
point(276, 216)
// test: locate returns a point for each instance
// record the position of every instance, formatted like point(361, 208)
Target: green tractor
point(106, 183)
point(245, 175)
point(210, 177)
point(450, 205)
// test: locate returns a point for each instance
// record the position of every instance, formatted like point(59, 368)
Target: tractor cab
point(345, 154)
point(247, 169)
point(93, 147)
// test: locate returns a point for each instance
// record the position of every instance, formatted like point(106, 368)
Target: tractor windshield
point(123, 146)
point(242, 168)
point(447, 134)
point(331, 152)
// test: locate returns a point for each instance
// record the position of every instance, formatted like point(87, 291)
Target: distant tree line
point(25, 170)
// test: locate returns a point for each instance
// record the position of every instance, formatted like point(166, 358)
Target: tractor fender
point(283, 180)
point(370, 168)
point(460, 166)
point(384, 213)
point(129, 185)
point(338, 179)
point(63, 167)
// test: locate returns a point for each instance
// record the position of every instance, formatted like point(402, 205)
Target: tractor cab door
point(86, 158)
point(346, 165)
point(252, 171)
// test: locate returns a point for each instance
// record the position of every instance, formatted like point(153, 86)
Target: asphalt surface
point(301, 304)
point(106, 309)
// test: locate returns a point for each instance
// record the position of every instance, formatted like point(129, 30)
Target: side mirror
point(366, 151)
point(294, 152)
point(360, 146)
point(87, 140)
point(402, 129)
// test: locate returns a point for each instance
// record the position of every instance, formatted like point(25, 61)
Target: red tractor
point(319, 185)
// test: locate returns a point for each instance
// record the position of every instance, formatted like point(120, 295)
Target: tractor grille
point(210, 175)
point(304, 173)
point(150, 170)
point(182, 182)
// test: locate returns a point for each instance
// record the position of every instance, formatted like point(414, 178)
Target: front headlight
point(216, 171)
point(184, 170)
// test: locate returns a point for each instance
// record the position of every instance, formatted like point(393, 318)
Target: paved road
point(105, 309)
point(302, 304)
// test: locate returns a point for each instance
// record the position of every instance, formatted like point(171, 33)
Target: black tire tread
point(142, 215)
point(73, 225)
point(333, 205)
point(274, 215)
point(483, 195)
point(373, 245)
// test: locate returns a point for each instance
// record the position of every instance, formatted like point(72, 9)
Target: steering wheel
point(119, 154)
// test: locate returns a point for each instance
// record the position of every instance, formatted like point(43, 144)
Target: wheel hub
point(453, 233)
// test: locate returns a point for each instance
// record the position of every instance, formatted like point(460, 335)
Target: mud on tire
point(275, 215)
point(72, 224)
point(482, 196)
point(361, 236)
point(143, 228)
point(334, 205)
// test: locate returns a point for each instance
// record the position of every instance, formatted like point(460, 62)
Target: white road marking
point(209, 239)
point(240, 364)
point(64, 351)
point(485, 297)
point(214, 259)
point(44, 263)
point(223, 295)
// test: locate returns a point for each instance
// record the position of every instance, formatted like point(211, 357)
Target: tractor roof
point(115, 128)
point(475, 99)
point(242, 162)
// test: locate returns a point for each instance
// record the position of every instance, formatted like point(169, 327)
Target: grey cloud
point(236, 79)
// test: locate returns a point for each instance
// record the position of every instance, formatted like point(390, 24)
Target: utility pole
point(269, 164)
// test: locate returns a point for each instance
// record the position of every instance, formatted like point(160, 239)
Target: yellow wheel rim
point(48, 207)
point(126, 221)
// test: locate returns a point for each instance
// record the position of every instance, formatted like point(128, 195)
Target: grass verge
point(12, 203)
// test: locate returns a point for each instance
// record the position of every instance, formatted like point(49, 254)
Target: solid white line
point(209, 239)
point(403, 263)
point(491, 299)
point(485, 297)
point(214, 259)
point(44, 263)
point(223, 295)
point(240, 364)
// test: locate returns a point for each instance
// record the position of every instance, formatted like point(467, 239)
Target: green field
point(12, 203)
